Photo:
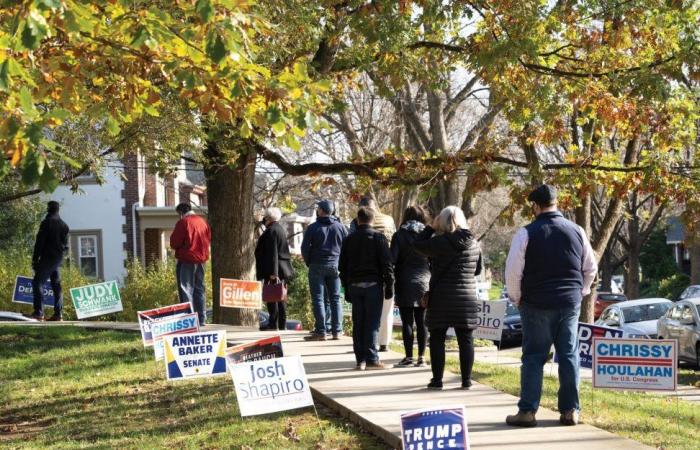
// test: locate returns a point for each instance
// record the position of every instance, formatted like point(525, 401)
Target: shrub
point(673, 286)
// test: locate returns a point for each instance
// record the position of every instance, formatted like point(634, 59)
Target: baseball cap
point(326, 206)
point(543, 195)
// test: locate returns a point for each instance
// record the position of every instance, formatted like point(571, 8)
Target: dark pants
point(41, 273)
point(190, 287)
point(366, 315)
point(278, 315)
point(437, 352)
point(408, 316)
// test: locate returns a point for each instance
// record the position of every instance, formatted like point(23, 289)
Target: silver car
point(636, 318)
point(682, 322)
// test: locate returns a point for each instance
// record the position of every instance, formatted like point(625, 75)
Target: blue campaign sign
point(23, 292)
point(586, 333)
point(435, 428)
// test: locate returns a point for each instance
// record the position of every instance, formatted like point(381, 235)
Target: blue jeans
point(366, 317)
point(324, 279)
point(541, 329)
point(41, 273)
point(190, 287)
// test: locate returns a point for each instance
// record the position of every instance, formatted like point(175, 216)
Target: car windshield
point(642, 313)
point(512, 310)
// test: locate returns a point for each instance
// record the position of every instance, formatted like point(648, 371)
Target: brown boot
point(569, 417)
point(522, 419)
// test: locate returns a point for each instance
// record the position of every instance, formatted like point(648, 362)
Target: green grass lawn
point(67, 387)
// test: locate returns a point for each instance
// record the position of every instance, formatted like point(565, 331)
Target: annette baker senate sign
point(641, 364)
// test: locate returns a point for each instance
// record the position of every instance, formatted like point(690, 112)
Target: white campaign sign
point(195, 355)
point(643, 364)
point(271, 385)
point(490, 315)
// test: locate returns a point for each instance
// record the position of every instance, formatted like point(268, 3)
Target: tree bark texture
point(231, 204)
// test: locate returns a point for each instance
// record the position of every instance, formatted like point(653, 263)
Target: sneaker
point(336, 336)
point(522, 419)
point(406, 362)
point(435, 385)
point(375, 366)
point(420, 362)
point(35, 316)
point(569, 417)
point(361, 366)
point(315, 337)
point(55, 319)
point(382, 348)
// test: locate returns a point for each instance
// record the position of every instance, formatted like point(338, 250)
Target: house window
point(86, 252)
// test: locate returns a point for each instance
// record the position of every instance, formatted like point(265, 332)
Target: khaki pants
point(386, 327)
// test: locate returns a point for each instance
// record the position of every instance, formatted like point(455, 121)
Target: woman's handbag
point(274, 292)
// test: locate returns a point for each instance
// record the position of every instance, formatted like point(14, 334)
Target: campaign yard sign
point(271, 385)
point(435, 428)
point(24, 293)
point(586, 334)
point(397, 317)
point(490, 319)
point(268, 348)
point(643, 364)
point(96, 299)
point(240, 293)
point(146, 317)
point(195, 355)
point(180, 324)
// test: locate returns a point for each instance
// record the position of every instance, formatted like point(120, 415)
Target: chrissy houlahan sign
point(195, 355)
point(96, 299)
point(271, 385)
point(180, 324)
point(643, 364)
point(151, 315)
point(490, 316)
point(435, 428)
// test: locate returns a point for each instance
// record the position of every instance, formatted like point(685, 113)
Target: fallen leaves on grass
point(11, 428)
point(291, 433)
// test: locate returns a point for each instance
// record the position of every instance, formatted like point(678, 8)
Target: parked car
point(692, 291)
point(605, 299)
point(264, 318)
point(8, 316)
point(682, 322)
point(636, 318)
point(512, 327)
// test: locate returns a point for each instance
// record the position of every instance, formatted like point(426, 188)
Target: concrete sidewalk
point(375, 399)
point(511, 358)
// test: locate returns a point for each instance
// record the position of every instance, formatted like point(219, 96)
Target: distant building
point(675, 236)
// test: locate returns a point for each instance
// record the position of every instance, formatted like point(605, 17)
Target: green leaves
point(113, 127)
point(205, 10)
point(35, 29)
point(216, 48)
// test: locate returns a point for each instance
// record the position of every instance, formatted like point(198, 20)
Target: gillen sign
point(240, 293)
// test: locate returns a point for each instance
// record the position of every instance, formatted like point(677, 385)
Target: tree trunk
point(635, 248)
point(694, 250)
point(606, 271)
point(583, 219)
point(231, 204)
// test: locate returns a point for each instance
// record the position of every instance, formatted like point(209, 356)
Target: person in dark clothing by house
point(51, 243)
point(367, 276)
point(191, 239)
point(455, 261)
point(412, 274)
point(550, 267)
point(320, 249)
point(273, 263)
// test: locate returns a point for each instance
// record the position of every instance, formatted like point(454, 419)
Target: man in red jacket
point(190, 240)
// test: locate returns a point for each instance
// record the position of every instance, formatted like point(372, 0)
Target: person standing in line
point(384, 224)
point(412, 274)
point(273, 263)
point(455, 261)
point(191, 239)
point(366, 273)
point(50, 245)
point(320, 249)
point(550, 267)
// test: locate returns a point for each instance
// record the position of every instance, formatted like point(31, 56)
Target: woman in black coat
point(272, 263)
point(455, 261)
point(412, 276)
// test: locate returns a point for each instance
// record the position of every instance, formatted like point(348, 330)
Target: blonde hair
point(450, 219)
point(274, 214)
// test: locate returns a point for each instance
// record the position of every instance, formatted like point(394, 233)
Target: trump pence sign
point(435, 428)
point(195, 355)
point(271, 385)
point(96, 299)
point(643, 364)
point(240, 293)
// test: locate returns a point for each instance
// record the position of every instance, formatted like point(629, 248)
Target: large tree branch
point(453, 103)
point(485, 121)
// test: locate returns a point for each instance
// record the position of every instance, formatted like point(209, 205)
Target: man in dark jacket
point(320, 249)
point(51, 243)
point(191, 239)
point(550, 267)
point(367, 276)
point(273, 263)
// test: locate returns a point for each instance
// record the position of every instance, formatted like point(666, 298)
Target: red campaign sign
point(268, 348)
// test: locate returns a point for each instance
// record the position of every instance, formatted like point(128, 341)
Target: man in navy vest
point(550, 267)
